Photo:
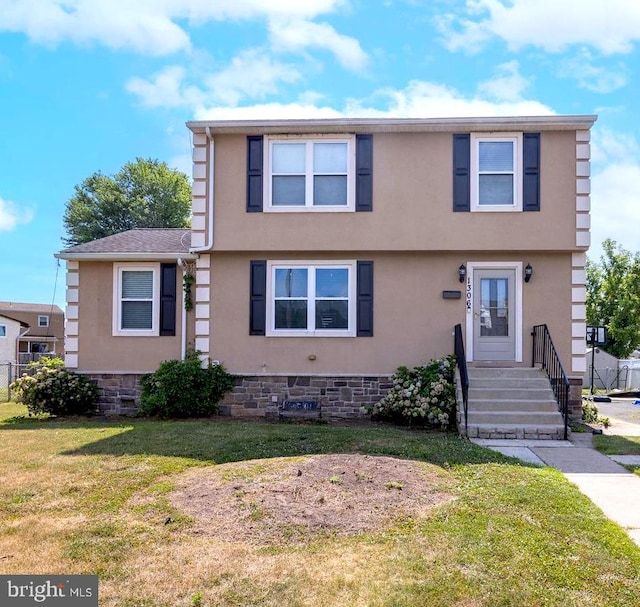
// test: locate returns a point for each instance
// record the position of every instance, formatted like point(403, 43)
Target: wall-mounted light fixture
point(462, 272)
point(528, 272)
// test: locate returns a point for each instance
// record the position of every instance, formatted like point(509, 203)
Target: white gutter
point(210, 196)
point(133, 256)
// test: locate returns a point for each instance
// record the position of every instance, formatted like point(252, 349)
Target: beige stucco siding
point(412, 321)
point(412, 202)
point(99, 350)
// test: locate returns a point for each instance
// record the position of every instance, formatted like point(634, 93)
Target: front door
point(494, 318)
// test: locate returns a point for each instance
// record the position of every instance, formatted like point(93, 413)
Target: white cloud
point(165, 89)
point(615, 191)
point(144, 26)
point(508, 85)
point(251, 75)
point(294, 35)
point(610, 27)
point(430, 100)
point(267, 111)
point(588, 75)
point(417, 100)
point(11, 215)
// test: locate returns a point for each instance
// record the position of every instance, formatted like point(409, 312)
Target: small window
point(496, 183)
point(3, 330)
point(315, 174)
point(136, 300)
point(43, 321)
point(311, 299)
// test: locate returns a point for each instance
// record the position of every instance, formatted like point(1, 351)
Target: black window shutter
point(255, 151)
point(365, 299)
point(167, 299)
point(531, 172)
point(258, 298)
point(364, 172)
point(461, 172)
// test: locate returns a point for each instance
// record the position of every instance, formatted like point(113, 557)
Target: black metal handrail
point(461, 360)
point(546, 355)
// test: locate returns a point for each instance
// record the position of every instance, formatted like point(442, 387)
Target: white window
point(43, 321)
point(136, 292)
point(3, 330)
point(311, 298)
point(310, 174)
point(496, 175)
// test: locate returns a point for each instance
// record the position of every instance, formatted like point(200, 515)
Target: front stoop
point(511, 403)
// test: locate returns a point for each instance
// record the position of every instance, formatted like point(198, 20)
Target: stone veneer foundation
point(259, 396)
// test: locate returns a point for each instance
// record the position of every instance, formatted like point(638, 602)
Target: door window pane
point(494, 307)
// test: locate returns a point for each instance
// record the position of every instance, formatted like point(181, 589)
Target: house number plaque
point(469, 295)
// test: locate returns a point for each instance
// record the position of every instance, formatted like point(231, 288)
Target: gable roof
point(20, 322)
point(140, 244)
point(9, 307)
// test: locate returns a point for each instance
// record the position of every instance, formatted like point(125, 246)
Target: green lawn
point(90, 496)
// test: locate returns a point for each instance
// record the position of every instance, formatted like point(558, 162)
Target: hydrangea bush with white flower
point(424, 395)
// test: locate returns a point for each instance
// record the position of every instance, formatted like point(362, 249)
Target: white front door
point(494, 314)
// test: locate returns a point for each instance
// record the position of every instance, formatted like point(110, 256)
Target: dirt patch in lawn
point(295, 499)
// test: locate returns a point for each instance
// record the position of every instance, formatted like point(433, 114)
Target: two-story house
point(326, 253)
point(29, 331)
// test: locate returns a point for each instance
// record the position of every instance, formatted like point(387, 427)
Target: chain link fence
point(6, 377)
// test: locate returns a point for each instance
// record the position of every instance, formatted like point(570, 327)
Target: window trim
point(4, 334)
point(46, 321)
point(350, 265)
point(309, 207)
point(476, 139)
point(118, 270)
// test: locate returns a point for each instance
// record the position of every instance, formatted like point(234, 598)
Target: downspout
point(210, 196)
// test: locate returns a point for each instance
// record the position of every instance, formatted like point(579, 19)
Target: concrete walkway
point(609, 485)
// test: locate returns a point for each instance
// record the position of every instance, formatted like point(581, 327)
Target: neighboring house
point(10, 330)
point(41, 330)
point(326, 253)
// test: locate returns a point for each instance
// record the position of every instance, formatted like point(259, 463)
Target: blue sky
point(88, 85)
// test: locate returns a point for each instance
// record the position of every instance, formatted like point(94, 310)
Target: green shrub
point(589, 412)
point(423, 395)
point(184, 388)
point(48, 387)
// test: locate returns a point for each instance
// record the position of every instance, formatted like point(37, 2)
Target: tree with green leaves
point(613, 297)
point(143, 194)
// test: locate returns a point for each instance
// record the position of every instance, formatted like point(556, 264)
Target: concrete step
point(506, 418)
point(512, 404)
point(524, 383)
point(516, 431)
point(506, 372)
point(500, 393)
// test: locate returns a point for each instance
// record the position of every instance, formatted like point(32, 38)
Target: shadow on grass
point(221, 441)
